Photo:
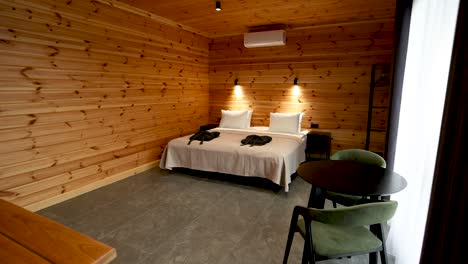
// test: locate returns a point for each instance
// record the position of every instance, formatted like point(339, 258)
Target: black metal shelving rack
point(380, 81)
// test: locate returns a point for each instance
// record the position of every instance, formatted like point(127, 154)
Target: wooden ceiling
point(238, 16)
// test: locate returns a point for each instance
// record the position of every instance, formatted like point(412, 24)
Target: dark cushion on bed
point(255, 140)
point(203, 136)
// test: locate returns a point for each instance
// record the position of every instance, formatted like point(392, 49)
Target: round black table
point(348, 177)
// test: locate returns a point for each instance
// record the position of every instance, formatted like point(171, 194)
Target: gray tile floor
point(184, 217)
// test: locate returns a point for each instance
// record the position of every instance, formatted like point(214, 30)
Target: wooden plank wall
point(332, 63)
point(88, 91)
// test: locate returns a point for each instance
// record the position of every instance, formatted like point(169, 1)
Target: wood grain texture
point(45, 199)
point(238, 16)
point(150, 15)
point(14, 253)
point(89, 91)
point(92, 89)
point(49, 240)
point(333, 65)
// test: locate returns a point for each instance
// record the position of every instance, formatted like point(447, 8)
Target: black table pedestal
point(316, 198)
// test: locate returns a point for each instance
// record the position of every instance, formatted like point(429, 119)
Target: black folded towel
point(255, 140)
point(203, 136)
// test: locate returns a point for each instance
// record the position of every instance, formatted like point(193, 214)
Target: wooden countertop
point(26, 237)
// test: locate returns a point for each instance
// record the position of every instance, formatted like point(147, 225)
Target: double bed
point(275, 161)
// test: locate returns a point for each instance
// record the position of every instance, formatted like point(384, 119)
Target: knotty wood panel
point(238, 15)
point(88, 91)
point(15, 253)
point(333, 65)
point(53, 242)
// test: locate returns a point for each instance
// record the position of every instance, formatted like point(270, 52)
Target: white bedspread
point(275, 161)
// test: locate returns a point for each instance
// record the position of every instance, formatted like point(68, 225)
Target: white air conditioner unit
point(265, 39)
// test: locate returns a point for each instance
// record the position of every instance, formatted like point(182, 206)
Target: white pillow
point(259, 128)
point(286, 122)
point(249, 118)
point(235, 119)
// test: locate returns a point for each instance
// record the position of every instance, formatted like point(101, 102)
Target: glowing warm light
point(238, 91)
point(296, 91)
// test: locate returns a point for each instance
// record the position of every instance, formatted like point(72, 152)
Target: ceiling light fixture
point(218, 6)
point(236, 81)
point(295, 81)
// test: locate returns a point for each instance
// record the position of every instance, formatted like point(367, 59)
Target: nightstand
point(208, 127)
point(318, 145)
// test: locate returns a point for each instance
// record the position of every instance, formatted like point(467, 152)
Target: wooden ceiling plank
point(157, 18)
point(237, 16)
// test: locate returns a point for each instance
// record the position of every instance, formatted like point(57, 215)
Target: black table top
point(351, 177)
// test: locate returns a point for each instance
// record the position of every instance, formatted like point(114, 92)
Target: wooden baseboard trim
point(90, 187)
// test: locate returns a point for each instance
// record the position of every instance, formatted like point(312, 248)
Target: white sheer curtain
point(427, 66)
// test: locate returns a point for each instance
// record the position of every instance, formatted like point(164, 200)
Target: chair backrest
point(360, 155)
point(357, 215)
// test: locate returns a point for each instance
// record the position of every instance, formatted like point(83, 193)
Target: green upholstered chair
point(341, 232)
point(359, 155)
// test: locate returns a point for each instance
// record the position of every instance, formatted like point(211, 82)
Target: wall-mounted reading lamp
point(296, 92)
point(218, 6)
point(237, 89)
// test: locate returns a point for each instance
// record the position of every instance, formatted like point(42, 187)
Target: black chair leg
point(308, 257)
point(289, 243)
point(305, 254)
point(383, 254)
point(377, 230)
point(373, 258)
point(383, 257)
